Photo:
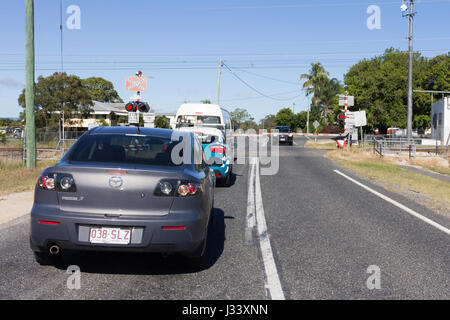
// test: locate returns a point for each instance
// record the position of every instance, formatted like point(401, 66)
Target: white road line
point(251, 217)
point(273, 284)
point(397, 204)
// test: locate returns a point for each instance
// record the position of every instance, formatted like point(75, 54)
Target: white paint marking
point(273, 284)
point(397, 204)
point(251, 216)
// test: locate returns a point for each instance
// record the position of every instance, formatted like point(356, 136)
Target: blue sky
point(268, 44)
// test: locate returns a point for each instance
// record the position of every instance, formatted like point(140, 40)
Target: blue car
point(217, 152)
point(217, 156)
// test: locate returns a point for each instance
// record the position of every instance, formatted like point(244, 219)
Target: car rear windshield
point(283, 129)
point(128, 149)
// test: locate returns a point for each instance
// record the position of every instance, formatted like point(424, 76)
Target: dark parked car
point(285, 135)
point(120, 189)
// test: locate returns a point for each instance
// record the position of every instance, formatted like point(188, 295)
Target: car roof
point(166, 133)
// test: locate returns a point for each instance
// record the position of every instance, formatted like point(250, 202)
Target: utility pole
point(410, 16)
point(218, 81)
point(62, 70)
point(29, 85)
point(307, 115)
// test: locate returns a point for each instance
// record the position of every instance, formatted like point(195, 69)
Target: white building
point(440, 120)
point(104, 113)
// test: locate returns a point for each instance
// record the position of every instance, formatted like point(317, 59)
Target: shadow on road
point(148, 263)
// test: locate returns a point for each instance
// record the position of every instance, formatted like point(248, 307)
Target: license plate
point(110, 235)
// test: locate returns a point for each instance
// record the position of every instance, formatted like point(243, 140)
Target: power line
point(215, 55)
point(257, 91)
point(267, 77)
point(315, 5)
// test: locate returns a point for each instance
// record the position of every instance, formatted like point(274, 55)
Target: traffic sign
point(316, 124)
point(356, 119)
point(136, 83)
point(133, 118)
point(350, 100)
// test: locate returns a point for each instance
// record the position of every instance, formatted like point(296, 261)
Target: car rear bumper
point(147, 233)
point(285, 139)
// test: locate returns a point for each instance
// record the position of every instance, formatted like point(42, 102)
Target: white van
point(191, 115)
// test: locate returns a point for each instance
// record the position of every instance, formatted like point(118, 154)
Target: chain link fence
point(49, 146)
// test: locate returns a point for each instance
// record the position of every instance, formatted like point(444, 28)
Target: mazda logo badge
point(115, 182)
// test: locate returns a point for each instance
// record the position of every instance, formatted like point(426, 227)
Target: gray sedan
point(125, 189)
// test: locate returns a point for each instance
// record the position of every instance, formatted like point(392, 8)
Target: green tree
point(268, 122)
point(380, 87)
point(56, 93)
point(102, 122)
point(101, 90)
point(206, 101)
point(313, 80)
point(285, 117)
point(323, 90)
point(249, 124)
point(422, 121)
point(238, 116)
point(162, 122)
point(300, 120)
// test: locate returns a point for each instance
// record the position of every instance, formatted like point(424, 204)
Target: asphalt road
point(324, 230)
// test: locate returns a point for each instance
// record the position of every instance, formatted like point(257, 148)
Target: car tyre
point(198, 259)
point(227, 181)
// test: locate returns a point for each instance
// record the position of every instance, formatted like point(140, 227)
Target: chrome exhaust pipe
point(54, 249)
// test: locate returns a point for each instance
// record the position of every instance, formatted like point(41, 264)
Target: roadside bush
point(331, 128)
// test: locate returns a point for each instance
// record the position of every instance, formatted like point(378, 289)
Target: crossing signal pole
point(30, 138)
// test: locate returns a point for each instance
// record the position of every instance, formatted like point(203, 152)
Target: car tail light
point(188, 189)
point(217, 149)
point(59, 181)
point(65, 182)
point(166, 188)
point(176, 188)
point(46, 182)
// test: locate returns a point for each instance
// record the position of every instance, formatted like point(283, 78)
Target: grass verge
point(427, 190)
point(14, 177)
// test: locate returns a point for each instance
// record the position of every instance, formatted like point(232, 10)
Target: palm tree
point(322, 88)
point(329, 89)
point(314, 78)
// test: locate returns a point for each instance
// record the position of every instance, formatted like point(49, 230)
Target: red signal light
point(130, 107)
point(142, 107)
